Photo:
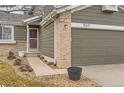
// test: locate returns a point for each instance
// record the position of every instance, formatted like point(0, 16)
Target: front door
point(33, 39)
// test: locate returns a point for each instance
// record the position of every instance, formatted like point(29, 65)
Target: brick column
point(63, 40)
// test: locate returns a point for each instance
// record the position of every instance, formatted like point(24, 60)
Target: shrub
point(11, 55)
point(41, 57)
point(50, 63)
point(30, 69)
point(38, 55)
point(17, 62)
point(45, 61)
point(25, 68)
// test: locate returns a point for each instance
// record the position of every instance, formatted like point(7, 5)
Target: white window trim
point(12, 35)
point(8, 41)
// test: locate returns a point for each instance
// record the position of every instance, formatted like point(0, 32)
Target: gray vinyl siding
point(47, 40)
point(97, 47)
point(95, 15)
point(20, 33)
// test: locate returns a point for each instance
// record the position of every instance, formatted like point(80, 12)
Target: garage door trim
point(97, 26)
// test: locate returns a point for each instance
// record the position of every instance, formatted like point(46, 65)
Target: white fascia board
point(67, 8)
point(73, 8)
point(96, 26)
point(32, 19)
point(80, 8)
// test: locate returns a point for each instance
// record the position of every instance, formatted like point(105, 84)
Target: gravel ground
point(63, 81)
point(52, 80)
point(27, 75)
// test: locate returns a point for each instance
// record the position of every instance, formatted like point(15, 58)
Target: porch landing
point(41, 69)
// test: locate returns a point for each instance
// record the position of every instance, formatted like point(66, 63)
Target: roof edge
point(32, 19)
point(73, 8)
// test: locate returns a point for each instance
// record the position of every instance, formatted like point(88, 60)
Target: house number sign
point(86, 25)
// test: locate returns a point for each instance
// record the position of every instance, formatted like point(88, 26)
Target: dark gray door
point(96, 47)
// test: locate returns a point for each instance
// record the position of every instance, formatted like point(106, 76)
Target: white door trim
point(96, 26)
point(37, 38)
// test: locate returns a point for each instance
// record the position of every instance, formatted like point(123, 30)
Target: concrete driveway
point(106, 75)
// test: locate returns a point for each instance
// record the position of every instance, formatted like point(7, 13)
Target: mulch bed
point(52, 80)
point(26, 75)
point(63, 81)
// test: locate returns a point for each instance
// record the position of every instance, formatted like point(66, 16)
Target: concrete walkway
point(41, 69)
point(106, 75)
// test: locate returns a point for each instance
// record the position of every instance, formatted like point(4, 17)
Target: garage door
point(96, 47)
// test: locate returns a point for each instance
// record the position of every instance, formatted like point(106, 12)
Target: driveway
point(106, 75)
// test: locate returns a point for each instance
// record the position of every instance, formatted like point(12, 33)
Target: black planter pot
point(74, 73)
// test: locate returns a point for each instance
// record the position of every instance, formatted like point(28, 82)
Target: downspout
point(27, 38)
point(55, 41)
point(50, 16)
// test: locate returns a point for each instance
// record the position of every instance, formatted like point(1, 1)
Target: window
point(7, 34)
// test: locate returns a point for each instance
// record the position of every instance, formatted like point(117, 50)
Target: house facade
point(12, 33)
point(72, 35)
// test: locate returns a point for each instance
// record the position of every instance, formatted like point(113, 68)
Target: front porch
point(33, 38)
point(33, 35)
